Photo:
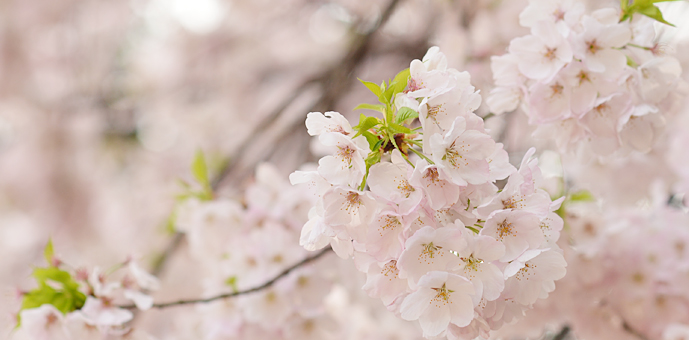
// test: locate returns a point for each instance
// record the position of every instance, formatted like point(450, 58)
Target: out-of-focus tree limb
point(332, 83)
point(265, 285)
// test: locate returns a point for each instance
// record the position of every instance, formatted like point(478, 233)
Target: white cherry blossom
point(430, 249)
point(517, 230)
point(462, 153)
point(442, 298)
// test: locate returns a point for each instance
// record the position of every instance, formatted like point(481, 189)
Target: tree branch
point(562, 334)
point(241, 292)
point(332, 82)
point(632, 331)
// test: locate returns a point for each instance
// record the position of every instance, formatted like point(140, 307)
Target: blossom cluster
point(588, 81)
point(419, 211)
point(242, 244)
point(84, 305)
point(627, 273)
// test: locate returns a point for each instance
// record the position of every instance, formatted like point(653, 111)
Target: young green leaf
point(48, 252)
point(404, 114)
point(372, 158)
point(374, 107)
point(63, 292)
point(199, 169)
point(653, 12)
point(365, 123)
point(397, 85)
point(232, 282)
point(582, 196)
point(644, 7)
point(396, 128)
point(372, 139)
point(373, 87)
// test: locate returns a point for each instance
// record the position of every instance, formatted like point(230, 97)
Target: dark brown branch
point(562, 334)
point(242, 292)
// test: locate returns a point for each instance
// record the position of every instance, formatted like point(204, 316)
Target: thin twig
point(171, 248)
point(242, 292)
point(632, 331)
point(562, 334)
point(333, 82)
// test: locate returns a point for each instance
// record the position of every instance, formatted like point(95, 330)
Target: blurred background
point(103, 103)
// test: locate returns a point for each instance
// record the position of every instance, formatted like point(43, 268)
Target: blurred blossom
point(329, 23)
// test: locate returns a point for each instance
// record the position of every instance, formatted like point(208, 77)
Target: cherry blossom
point(442, 298)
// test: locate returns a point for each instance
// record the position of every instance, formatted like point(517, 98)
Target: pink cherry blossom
point(517, 230)
point(442, 298)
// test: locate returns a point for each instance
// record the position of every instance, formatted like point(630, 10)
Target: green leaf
point(62, 292)
point(373, 87)
point(365, 123)
point(396, 85)
point(653, 12)
point(171, 222)
point(644, 7)
point(372, 158)
point(372, 139)
point(404, 114)
point(199, 169)
point(581, 196)
point(232, 282)
point(48, 252)
point(396, 128)
point(374, 107)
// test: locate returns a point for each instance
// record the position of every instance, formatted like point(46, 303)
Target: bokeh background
point(103, 104)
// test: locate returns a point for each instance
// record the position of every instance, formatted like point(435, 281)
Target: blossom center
point(442, 294)
point(525, 272)
point(550, 53)
point(390, 270)
point(593, 46)
point(432, 175)
point(471, 262)
point(346, 153)
point(406, 188)
point(353, 201)
point(412, 85)
point(511, 203)
point(429, 251)
point(583, 76)
point(600, 109)
point(452, 155)
point(390, 222)
point(505, 229)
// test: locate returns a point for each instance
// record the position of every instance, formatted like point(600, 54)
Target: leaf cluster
point(55, 287)
point(381, 132)
point(644, 7)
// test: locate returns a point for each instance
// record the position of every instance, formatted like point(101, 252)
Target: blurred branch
point(242, 292)
point(159, 265)
point(562, 334)
point(332, 81)
point(632, 331)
